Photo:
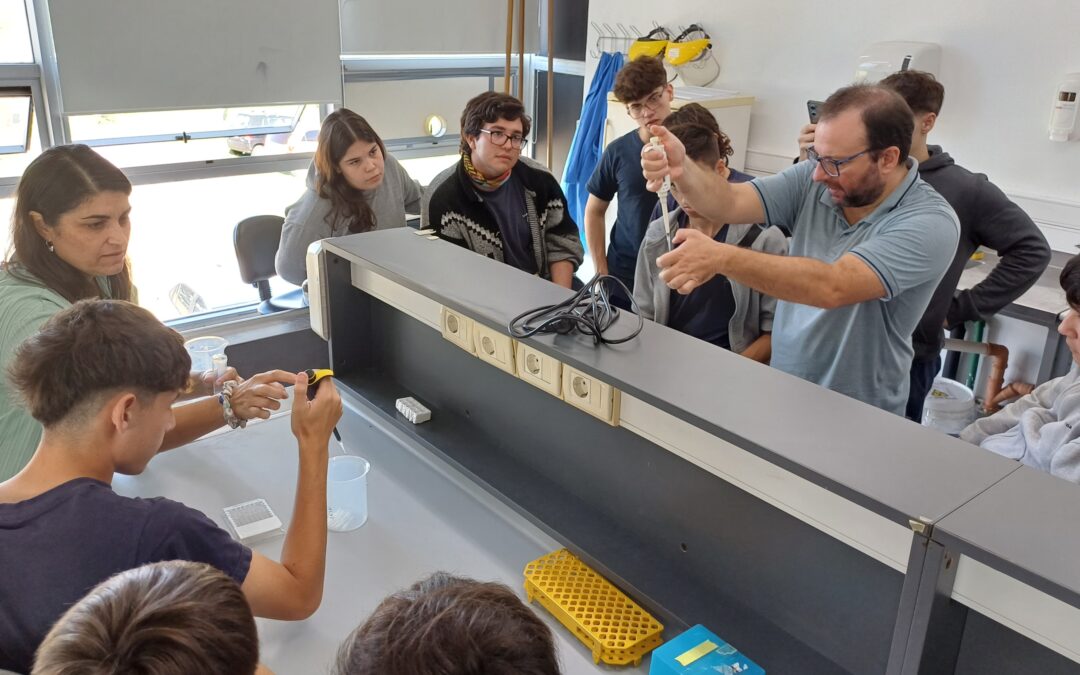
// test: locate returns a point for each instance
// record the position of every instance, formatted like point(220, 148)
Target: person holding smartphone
point(987, 218)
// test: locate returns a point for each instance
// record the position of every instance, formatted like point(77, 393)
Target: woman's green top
point(24, 306)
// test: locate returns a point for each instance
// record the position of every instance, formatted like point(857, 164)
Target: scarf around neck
point(478, 179)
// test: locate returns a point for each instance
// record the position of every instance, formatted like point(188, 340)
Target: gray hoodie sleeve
point(410, 188)
point(646, 274)
point(1008, 417)
point(772, 241)
point(305, 222)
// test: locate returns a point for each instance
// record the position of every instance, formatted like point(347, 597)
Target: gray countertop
point(1010, 527)
point(424, 517)
point(880, 461)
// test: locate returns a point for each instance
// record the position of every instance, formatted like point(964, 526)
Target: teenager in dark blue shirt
point(101, 376)
point(642, 85)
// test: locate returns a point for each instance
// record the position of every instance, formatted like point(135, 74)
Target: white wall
point(1001, 63)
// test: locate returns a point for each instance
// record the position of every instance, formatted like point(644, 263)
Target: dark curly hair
point(489, 107)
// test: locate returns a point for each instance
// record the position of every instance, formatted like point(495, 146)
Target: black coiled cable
point(589, 311)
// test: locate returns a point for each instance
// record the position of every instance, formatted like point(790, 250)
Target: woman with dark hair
point(69, 234)
point(352, 186)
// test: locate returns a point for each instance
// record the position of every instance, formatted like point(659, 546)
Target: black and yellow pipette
point(314, 376)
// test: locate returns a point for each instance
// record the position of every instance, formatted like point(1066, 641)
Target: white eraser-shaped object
point(413, 410)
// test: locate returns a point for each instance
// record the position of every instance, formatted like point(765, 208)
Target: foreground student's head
point(71, 223)
point(167, 618)
point(1070, 324)
point(446, 625)
point(104, 367)
point(494, 131)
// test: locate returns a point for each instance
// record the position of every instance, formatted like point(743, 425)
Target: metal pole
point(521, 51)
point(509, 44)
point(550, 81)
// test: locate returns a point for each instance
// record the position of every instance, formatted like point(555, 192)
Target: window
point(167, 137)
point(14, 33)
point(181, 249)
point(16, 111)
point(18, 125)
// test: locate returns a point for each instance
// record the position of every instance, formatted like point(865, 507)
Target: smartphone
point(812, 110)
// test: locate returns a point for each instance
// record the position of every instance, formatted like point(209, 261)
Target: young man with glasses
point(871, 242)
point(643, 87)
point(499, 204)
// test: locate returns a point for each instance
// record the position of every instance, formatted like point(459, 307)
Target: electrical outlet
point(597, 398)
point(539, 369)
point(457, 329)
point(494, 347)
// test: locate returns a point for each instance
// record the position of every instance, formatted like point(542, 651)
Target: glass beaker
point(346, 493)
point(203, 350)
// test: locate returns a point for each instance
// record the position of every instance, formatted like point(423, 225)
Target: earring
point(49, 245)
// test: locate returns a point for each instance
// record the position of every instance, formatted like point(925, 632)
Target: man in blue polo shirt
point(870, 243)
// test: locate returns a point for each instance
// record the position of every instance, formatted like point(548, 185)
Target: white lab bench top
point(424, 516)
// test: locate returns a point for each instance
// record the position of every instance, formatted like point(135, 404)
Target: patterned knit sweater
point(457, 212)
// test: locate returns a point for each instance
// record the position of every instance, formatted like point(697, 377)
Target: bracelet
point(225, 399)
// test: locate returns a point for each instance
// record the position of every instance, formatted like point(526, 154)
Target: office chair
point(256, 242)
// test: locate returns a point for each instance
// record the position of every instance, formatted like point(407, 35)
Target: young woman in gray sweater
point(353, 186)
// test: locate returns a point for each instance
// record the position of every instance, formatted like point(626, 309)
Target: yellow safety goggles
point(651, 45)
point(681, 50)
point(681, 53)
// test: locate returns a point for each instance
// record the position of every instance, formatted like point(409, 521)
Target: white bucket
point(949, 407)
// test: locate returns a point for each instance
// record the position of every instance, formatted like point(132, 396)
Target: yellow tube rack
point(614, 627)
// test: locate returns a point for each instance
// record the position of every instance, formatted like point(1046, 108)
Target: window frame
point(53, 129)
point(20, 92)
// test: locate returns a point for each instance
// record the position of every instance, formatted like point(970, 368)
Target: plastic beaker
point(203, 350)
point(346, 493)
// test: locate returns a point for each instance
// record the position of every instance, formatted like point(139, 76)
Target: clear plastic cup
point(203, 350)
point(346, 493)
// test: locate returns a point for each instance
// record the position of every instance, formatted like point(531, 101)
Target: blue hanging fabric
point(588, 143)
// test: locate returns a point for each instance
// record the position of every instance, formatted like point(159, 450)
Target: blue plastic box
point(700, 651)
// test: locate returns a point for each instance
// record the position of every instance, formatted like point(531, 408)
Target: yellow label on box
point(689, 656)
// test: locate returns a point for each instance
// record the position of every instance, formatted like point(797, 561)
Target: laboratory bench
point(813, 532)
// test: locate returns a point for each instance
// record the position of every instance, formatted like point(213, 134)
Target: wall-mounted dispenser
point(1063, 114)
point(881, 59)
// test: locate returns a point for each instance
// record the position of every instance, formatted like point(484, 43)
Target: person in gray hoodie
point(353, 186)
point(723, 312)
point(1042, 429)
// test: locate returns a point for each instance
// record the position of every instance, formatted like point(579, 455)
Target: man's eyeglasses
point(829, 165)
point(637, 109)
point(500, 139)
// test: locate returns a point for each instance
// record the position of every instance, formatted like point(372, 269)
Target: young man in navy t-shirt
point(101, 377)
point(643, 87)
